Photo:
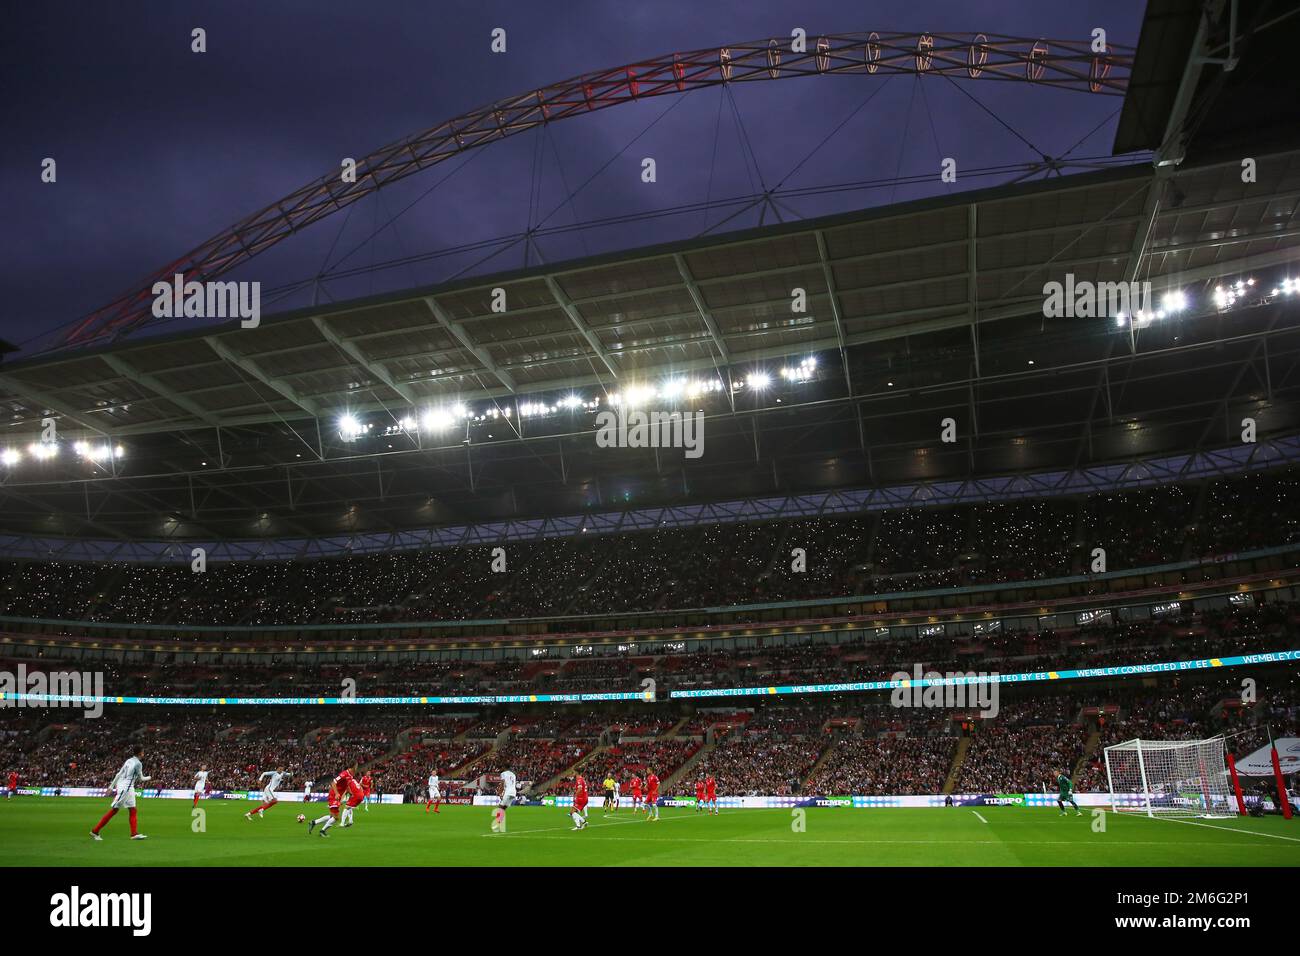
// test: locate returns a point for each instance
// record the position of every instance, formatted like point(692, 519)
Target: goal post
point(1170, 778)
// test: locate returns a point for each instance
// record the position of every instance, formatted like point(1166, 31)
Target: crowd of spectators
point(1182, 636)
point(767, 763)
point(843, 744)
point(88, 753)
point(722, 565)
point(883, 765)
point(1025, 748)
point(665, 756)
point(533, 761)
point(831, 744)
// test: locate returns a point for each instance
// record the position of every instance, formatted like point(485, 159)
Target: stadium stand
point(832, 743)
point(736, 564)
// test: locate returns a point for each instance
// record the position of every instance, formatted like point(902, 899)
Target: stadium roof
point(881, 275)
point(937, 306)
point(1185, 93)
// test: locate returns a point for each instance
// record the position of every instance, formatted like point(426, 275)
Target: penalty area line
point(978, 817)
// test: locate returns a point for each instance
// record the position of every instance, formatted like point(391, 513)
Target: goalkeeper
point(1065, 793)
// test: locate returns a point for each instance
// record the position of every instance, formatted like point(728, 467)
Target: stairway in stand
point(958, 759)
point(567, 772)
point(821, 759)
point(1089, 751)
point(666, 787)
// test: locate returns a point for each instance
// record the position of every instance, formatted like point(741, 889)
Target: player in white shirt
point(306, 792)
point(618, 792)
point(200, 784)
point(509, 792)
point(122, 790)
point(269, 799)
point(435, 794)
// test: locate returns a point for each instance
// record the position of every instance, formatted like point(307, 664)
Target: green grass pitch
point(53, 831)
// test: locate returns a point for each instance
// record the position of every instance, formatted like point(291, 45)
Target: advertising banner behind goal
point(1260, 763)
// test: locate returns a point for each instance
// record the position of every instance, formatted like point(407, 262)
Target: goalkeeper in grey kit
point(1065, 793)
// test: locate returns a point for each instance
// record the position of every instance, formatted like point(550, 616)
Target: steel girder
point(1066, 64)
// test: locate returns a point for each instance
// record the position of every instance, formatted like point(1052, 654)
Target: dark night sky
point(159, 148)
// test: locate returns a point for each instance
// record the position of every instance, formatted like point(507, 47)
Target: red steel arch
point(1071, 65)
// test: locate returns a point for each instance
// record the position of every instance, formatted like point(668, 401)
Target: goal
point(1170, 778)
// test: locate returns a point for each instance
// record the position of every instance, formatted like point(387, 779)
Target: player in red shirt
point(13, 784)
point(711, 793)
point(651, 795)
point(329, 819)
point(700, 797)
point(346, 783)
point(579, 813)
point(367, 788)
point(635, 787)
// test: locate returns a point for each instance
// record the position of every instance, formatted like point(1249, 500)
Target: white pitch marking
point(977, 814)
point(1212, 826)
point(537, 835)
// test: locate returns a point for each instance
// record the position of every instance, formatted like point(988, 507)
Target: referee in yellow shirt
point(608, 787)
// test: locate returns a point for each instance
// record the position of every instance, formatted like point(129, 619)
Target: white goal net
point(1171, 778)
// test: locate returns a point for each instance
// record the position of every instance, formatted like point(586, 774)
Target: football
point(302, 818)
